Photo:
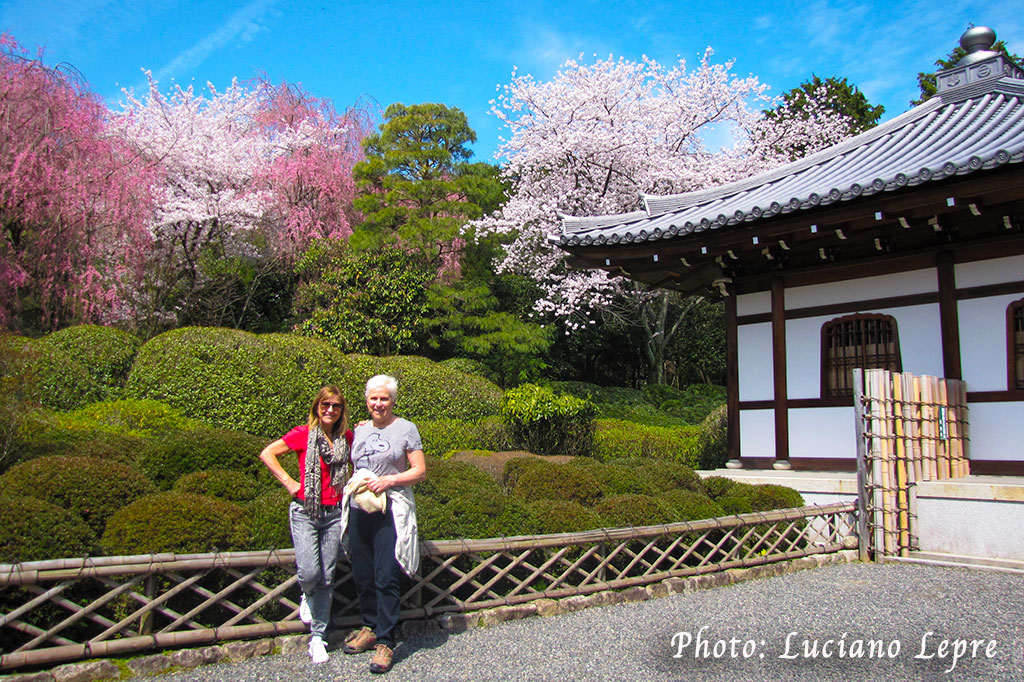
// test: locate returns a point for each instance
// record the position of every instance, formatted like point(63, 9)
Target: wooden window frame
point(894, 358)
point(1015, 351)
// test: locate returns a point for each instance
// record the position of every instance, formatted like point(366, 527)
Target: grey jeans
point(317, 544)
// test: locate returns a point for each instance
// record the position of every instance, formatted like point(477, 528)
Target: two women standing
point(388, 455)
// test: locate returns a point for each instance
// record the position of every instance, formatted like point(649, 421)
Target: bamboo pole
point(902, 503)
point(863, 480)
point(927, 431)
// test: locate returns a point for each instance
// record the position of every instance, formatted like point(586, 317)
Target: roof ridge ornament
point(981, 63)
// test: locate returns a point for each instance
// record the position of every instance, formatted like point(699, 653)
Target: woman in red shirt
point(323, 445)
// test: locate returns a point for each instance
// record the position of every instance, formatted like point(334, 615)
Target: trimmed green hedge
point(616, 439)
point(563, 516)
point(713, 439)
point(45, 373)
point(176, 522)
point(427, 390)
point(32, 530)
point(689, 505)
point(263, 384)
point(167, 459)
point(541, 421)
point(106, 353)
point(224, 484)
point(90, 487)
point(268, 520)
point(633, 510)
point(227, 378)
point(130, 417)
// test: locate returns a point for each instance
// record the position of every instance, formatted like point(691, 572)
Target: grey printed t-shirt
point(382, 451)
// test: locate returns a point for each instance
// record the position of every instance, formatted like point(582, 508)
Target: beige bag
point(366, 499)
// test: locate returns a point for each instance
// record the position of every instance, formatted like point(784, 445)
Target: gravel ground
point(747, 624)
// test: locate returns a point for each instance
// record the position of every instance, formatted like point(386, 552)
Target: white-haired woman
point(388, 454)
point(323, 445)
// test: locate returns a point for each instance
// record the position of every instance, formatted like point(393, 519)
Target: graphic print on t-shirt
point(375, 445)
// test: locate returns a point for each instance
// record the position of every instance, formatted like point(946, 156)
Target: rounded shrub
point(268, 520)
point(32, 530)
point(448, 480)
point(90, 487)
point(717, 486)
point(557, 482)
point(738, 499)
point(563, 516)
point(517, 466)
point(483, 515)
point(46, 374)
point(769, 496)
point(427, 390)
point(229, 378)
point(436, 521)
point(620, 511)
point(167, 459)
point(713, 439)
point(106, 353)
point(224, 484)
point(540, 421)
point(658, 394)
point(493, 435)
point(176, 522)
point(470, 366)
point(134, 417)
point(665, 474)
point(616, 439)
point(616, 479)
point(60, 437)
point(443, 435)
point(688, 505)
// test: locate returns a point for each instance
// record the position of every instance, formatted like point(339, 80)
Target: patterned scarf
point(336, 459)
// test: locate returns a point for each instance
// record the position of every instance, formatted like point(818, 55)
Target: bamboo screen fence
point(910, 429)
point(70, 609)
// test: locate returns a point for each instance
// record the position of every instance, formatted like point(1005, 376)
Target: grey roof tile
point(973, 129)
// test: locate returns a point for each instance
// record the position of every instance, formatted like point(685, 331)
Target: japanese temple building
point(899, 248)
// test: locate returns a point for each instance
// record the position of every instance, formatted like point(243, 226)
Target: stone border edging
point(153, 664)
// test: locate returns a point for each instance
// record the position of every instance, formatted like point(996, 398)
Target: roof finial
point(978, 42)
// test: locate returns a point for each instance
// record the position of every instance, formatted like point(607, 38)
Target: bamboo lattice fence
point(910, 429)
point(70, 609)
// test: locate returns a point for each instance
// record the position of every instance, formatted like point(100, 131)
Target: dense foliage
point(33, 529)
point(176, 522)
point(541, 421)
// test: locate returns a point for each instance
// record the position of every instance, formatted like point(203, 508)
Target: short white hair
point(382, 381)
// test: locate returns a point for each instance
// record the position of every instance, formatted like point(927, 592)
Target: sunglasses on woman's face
point(326, 406)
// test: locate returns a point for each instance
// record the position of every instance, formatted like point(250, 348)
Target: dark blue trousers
point(375, 571)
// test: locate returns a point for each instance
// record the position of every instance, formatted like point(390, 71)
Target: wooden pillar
point(778, 297)
point(949, 321)
point(732, 379)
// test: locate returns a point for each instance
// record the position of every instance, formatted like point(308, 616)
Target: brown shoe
point(381, 661)
point(359, 641)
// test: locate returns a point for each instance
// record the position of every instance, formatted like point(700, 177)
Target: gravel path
point(852, 604)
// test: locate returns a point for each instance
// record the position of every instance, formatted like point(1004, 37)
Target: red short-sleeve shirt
point(296, 440)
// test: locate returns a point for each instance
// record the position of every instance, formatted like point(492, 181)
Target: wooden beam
point(949, 324)
point(778, 302)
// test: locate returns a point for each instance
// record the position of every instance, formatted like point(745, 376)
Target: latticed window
point(865, 341)
point(1015, 322)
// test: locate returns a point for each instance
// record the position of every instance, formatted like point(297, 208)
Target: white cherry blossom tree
point(595, 136)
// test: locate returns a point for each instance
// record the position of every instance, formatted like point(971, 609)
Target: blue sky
point(458, 53)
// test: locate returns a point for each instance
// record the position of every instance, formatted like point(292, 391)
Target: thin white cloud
point(241, 27)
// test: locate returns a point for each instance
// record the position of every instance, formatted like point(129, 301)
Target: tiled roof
point(977, 127)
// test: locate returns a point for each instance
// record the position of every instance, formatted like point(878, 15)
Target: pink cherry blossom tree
point(254, 172)
point(74, 199)
point(594, 137)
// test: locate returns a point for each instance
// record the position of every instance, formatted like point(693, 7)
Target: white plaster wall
point(752, 304)
point(822, 432)
point(983, 341)
point(920, 346)
point(971, 527)
point(865, 288)
point(994, 271)
point(996, 431)
point(757, 433)
point(754, 350)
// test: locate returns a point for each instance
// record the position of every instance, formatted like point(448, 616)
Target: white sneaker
point(305, 615)
point(318, 650)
